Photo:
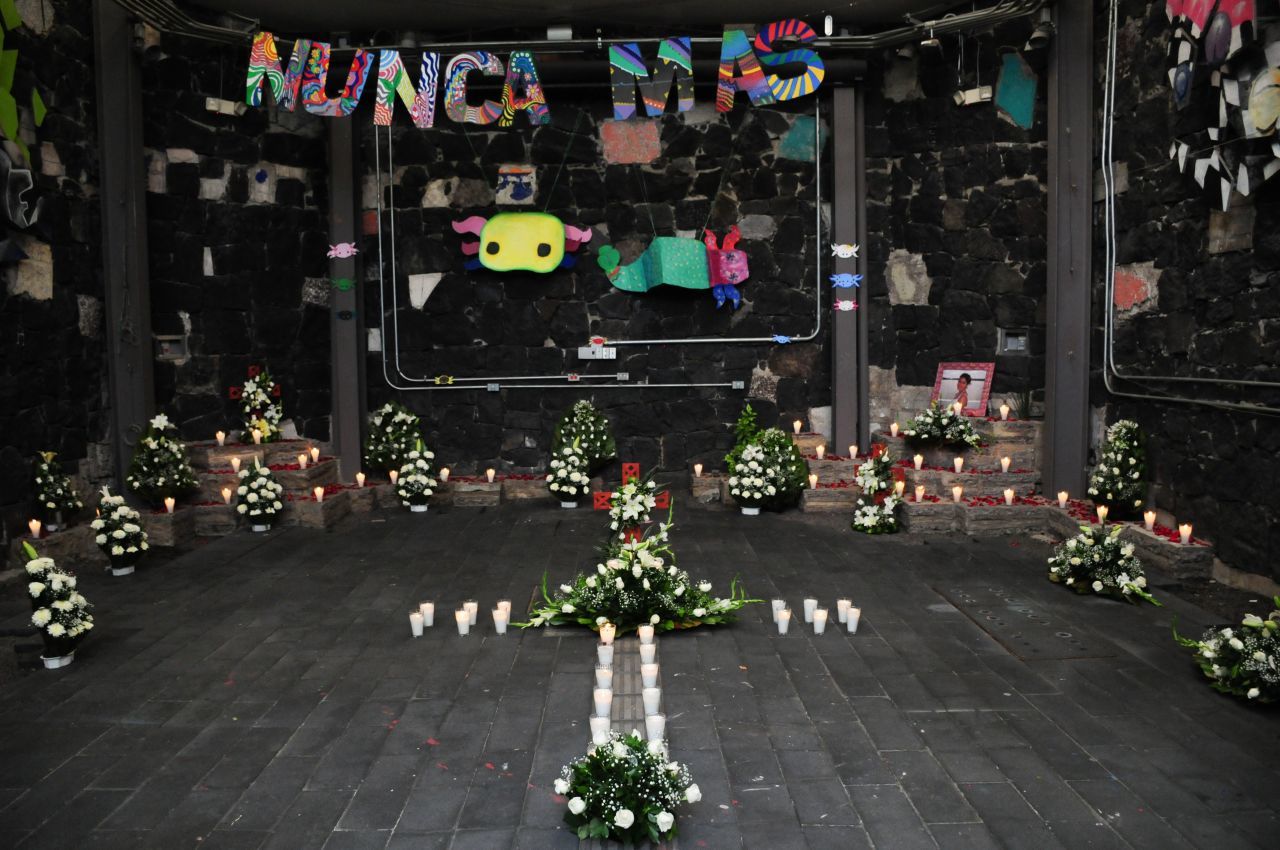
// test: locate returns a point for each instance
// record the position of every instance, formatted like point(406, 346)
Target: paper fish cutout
point(343, 250)
point(846, 280)
point(677, 261)
point(844, 252)
point(846, 306)
point(521, 241)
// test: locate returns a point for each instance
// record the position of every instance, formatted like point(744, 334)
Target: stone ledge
point(829, 499)
point(324, 471)
point(214, 520)
point(208, 456)
point(516, 489)
point(72, 547)
point(309, 513)
point(938, 482)
point(476, 494)
point(706, 488)
point(170, 529)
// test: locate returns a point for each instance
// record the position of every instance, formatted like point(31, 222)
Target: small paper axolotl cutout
point(521, 241)
point(845, 280)
point(844, 251)
point(343, 250)
point(679, 261)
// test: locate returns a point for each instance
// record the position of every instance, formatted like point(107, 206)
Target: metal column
point(1066, 440)
point(126, 280)
point(850, 374)
point(346, 347)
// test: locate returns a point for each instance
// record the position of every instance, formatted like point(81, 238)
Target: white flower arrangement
point(1095, 561)
point(160, 467)
point(876, 508)
point(416, 484)
point(393, 433)
point(941, 426)
point(569, 478)
point(755, 478)
point(626, 790)
point(54, 492)
point(630, 506)
point(1242, 661)
point(118, 530)
point(57, 608)
point(584, 427)
point(1117, 480)
point(259, 495)
point(259, 406)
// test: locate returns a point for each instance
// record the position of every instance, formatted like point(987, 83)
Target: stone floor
point(263, 691)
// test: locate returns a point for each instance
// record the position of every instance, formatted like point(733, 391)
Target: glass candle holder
point(1184, 533)
point(810, 605)
point(1149, 520)
point(777, 605)
point(893, 429)
point(652, 698)
point(500, 621)
point(604, 677)
point(649, 675)
point(958, 463)
point(464, 621)
point(1005, 463)
point(697, 470)
point(842, 609)
point(855, 614)
point(655, 726)
point(919, 492)
point(784, 621)
point(602, 698)
point(1008, 495)
point(472, 608)
point(1062, 499)
point(607, 632)
point(599, 730)
point(645, 633)
point(302, 461)
point(428, 612)
point(359, 479)
point(415, 624)
point(957, 493)
point(604, 654)
point(918, 460)
point(648, 653)
point(821, 451)
point(819, 621)
point(1004, 412)
point(221, 437)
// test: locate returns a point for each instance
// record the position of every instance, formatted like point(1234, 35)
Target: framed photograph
point(967, 383)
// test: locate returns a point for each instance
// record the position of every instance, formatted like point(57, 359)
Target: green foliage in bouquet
point(54, 492)
point(625, 790)
point(746, 431)
point(259, 407)
point(393, 432)
point(1242, 661)
point(259, 494)
point(416, 484)
point(876, 509)
point(1095, 561)
point(118, 531)
point(160, 467)
point(584, 426)
point(58, 609)
point(941, 426)
point(569, 479)
point(1117, 480)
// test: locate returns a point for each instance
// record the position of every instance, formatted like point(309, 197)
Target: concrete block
point(214, 520)
point(514, 489)
point(929, 517)
point(1191, 561)
point(325, 471)
point(828, 499)
point(472, 493)
point(323, 515)
point(1002, 519)
point(70, 548)
point(170, 529)
point(706, 488)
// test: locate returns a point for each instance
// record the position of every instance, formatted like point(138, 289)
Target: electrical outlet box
point(624, 376)
point(739, 385)
point(597, 352)
point(493, 388)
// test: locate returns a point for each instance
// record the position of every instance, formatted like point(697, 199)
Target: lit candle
point(919, 461)
point(784, 620)
point(842, 609)
point(655, 726)
point(472, 608)
point(1103, 510)
point(490, 474)
point(797, 425)
point(1149, 519)
point(169, 504)
point(813, 480)
point(505, 605)
point(1004, 412)
point(958, 463)
point(604, 654)
point(500, 621)
point(652, 698)
point(226, 495)
point(957, 493)
point(315, 454)
point(221, 437)
point(819, 621)
point(1008, 495)
point(319, 491)
point(235, 465)
point(603, 699)
point(1004, 463)
point(359, 479)
point(853, 451)
point(919, 492)
point(599, 730)
point(1184, 532)
point(649, 675)
point(257, 436)
point(34, 525)
point(821, 451)
point(777, 605)
point(810, 605)
point(428, 612)
point(697, 470)
point(463, 619)
point(604, 677)
point(855, 614)
point(893, 429)
point(393, 475)
point(899, 487)
point(607, 631)
point(1062, 499)
point(444, 475)
point(302, 461)
point(415, 623)
point(648, 653)
point(957, 407)
point(645, 633)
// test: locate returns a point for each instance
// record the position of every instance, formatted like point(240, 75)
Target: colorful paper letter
point(455, 88)
point(628, 69)
point(790, 88)
point(735, 49)
point(314, 99)
point(264, 63)
point(522, 76)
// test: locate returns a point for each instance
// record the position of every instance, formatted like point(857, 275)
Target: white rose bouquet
point(54, 493)
point(258, 497)
point(1243, 661)
point(1095, 561)
point(393, 433)
point(941, 426)
point(58, 609)
point(260, 406)
point(1117, 480)
point(416, 484)
point(568, 479)
point(118, 532)
point(160, 467)
point(626, 790)
point(876, 509)
point(630, 507)
point(584, 427)
point(755, 478)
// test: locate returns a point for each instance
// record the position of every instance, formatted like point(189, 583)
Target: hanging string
point(577, 121)
point(724, 172)
point(644, 192)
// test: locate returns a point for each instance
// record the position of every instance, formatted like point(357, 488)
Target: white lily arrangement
point(877, 506)
point(58, 609)
point(1097, 561)
point(568, 479)
point(631, 505)
point(393, 433)
point(585, 428)
point(626, 790)
point(160, 467)
point(118, 530)
point(416, 485)
point(1117, 480)
point(1243, 661)
point(54, 492)
point(258, 497)
point(941, 426)
point(259, 406)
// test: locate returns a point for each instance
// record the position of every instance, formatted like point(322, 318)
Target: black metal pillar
point(346, 347)
point(1066, 438)
point(126, 280)
point(850, 376)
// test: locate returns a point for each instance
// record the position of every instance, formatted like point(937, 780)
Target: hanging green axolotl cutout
point(679, 261)
point(521, 241)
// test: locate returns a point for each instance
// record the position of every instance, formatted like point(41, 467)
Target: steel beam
point(850, 408)
point(126, 282)
point(346, 345)
point(1070, 233)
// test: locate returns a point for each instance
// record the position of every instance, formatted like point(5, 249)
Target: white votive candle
point(957, 493)
point(1004, 412)
point(607, 632)
point(855, 614)
point(604, 677)
point(444, 475)
point(599, 730)
point(603, 699)
point(34, 525)
point(428, 612)
point(393, 476)
point(1184, 532)
point(490, 474)
point(415, 624)
point(893, 429)
point(319, 493)
point(500, 621)
point(956, 408)
point(1008, 495)
point(235, 465)
point(463, 619)
point(797, 425)
point(226, 495)
point(958, 463)
point(777, 605)
point(649, 675)
point(821, 451)
point(315, 454)
point(504, 605)
point(655, 726)
point(645, 633)
point(853, 451)
point(810, 605)
point(1149, 520)
point(784, 620)
point(1062, 499)
point(221, 437)
point(819, 621)
point(302, 461)
point(257, 436)
point(899, 487)
point(472, 608)
point(918, 460)
point(1004, 463)
point(604, 654)
point(1103, 510)
point(359, 479)
point(652, 698)
point(919, 492)
point(813, 480)
point(842, 609)
point(697, 470)
point(169, 504)
point(648, 653)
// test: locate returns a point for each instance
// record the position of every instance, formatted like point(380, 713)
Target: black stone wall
point(711, 168)
point(52, 368)
point(1214, 313)
point(238, 232)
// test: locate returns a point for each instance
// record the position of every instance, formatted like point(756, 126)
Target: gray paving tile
point(931, 790)
point(889, 817)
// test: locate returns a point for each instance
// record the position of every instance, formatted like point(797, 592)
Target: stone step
point(325, 514)
point(170, 529)
point(976, 483)
point(70, 548)
point(475, 492)
point(829, 499)
point(526, 487)
point(706, 488)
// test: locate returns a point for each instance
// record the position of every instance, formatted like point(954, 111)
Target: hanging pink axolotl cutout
point(343, 250)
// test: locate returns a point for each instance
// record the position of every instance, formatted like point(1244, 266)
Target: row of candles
point(655, 722)
point(956, 408)
point(465, 617)
point(846, 613)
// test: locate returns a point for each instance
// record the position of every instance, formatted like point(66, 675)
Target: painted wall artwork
point(517, 184)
